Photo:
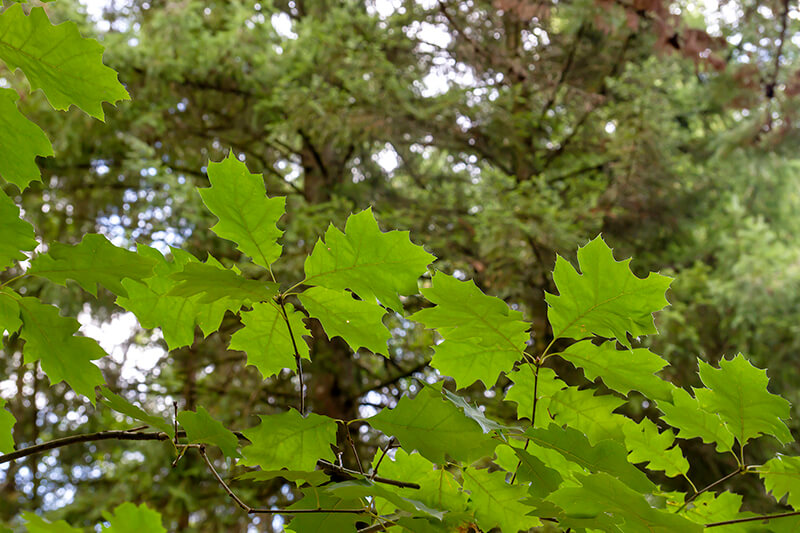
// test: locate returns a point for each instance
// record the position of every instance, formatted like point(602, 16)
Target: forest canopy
point(366, 266)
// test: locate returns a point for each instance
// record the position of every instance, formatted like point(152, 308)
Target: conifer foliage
point(569, 460)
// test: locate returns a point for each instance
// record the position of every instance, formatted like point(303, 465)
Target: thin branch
point(74, 439)
point(723, 479)
point(353, 447)
point(296, 357)
point(222, 483)
point(388, 447)
point(765, 518)
point(327, 467)
point(537, 365)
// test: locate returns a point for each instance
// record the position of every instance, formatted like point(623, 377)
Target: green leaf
point(123, 406)
point(17, 235)
point(621, 370)
point(37, 524)
point(606, 456)
point(601, 494)
point(318, 498)
point(246, 215)
point(128, 518)
point(590, 413)
point(316, 477)
point(438, 488)
point(521, 392)
point(605, 299)
point(358, 322)
point(659, 450)
point(68, 68)
point(709, 508)
point(542, 478)
point(288, 440)
point(49, 338)
point(21, 141)
point(363, 488)
point(692, 421)
point(495, 503)
point(473, 412)
point(92, 262)
point(176, 316)
point(266, 340)
point(10, 320)
point(737, 391)
point(215, 283)
point(483, 337)
point(201, 428)
point(371, 263)
point(7, 422)
point(781, 477)
point(434, 427)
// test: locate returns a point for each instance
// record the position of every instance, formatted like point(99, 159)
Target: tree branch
point(296, 357)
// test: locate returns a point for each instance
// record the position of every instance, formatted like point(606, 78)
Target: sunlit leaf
point(36, 524)
point(358, 322)
point(50, 339)
point(692, 421)
point(483, 337)
point(246, 215)
point(216, 283)
point(621, 370)
point(55, 58)
point(202, 428)
point(496, 503)
point(434, 427)
point(438, 488)
point(7, 422)
point(371, 263)
point(10, 320)
point(128, 518)
point(658, 450)
point(605, 299)
point(289, 440)
point(521, 392)
point(781, 477)
point(266, 340)
point(737, 391)
point(588, 412)
point(123, 406)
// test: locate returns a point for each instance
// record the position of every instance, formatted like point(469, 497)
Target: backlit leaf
point(781, 477)
point(438, 488)
point(92, 262)
point(434, 427)
point(358, 322)
point(658, 450)
point(605, 299)
point(266, 340)
point(215, 282)
point(521, 392)
point(692, 421)
point(7, 422)
point(50, 339)
point(246, 215)
point(123, 406)
point(496, 503)
point(36, 524)
point(202, 428)
point(289, 440)
point(10, 320)
point(737, 391)
point(21, 141)
point(363, 488)
point(128, 518)
point(371, 263)
point(55, 58)
point(622, 370)
point(543, 479)
point(606, 456)
point(589, 412)
point(483, 337)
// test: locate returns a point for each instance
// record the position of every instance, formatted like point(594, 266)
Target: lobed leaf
point(434, 427)
point(621, 370)
point(482, 336)
point(56, 59)
point(216, 283)
point(693, 421)
point(496, 503)
point(357, 322)
point(247, 216)
point(92, 262)
point(543, 479)
point(658, 450)
point(521, 392)
point(10, 320)
point(202, 428)
point(266, 340)
point(21, 142)
point(369, 262)
point(781, 477)
point(438, 488)
point(128, 518)
point(289, 440)
point(737, 391)
point(589, 413)
point(123, 406)
point(605, 299)
point(319, 498)
point(36, 524)
point(50, 339)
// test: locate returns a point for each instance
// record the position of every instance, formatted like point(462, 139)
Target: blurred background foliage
point(499, 132)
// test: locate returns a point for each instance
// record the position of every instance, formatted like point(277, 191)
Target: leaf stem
point(297, 357)
point(690, 499)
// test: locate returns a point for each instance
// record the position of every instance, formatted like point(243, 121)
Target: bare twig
point(74, 439)
point(327, 466)
point(352, 447)
point(765, 518)
point(388, 447)
point(691, 498)
point(222, 483)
